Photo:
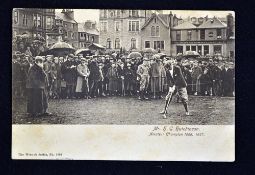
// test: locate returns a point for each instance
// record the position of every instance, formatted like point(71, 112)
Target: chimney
point(230, 25)
point(69, 13)
point(88, 24)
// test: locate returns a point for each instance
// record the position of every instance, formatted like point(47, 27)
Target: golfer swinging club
point(176, 83)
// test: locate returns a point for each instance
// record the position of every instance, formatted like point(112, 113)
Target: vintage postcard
point(123, 84)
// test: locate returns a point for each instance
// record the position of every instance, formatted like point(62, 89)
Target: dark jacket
point(37, 78)
point(69, 74)
point(177, 79)
point(94, 71)
point(154, 70)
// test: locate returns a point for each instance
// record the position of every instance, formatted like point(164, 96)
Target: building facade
point(172, 35)
point(122, 28)
point(67, 27)
point(87, 34)
point(209, 38)
point(34, 22)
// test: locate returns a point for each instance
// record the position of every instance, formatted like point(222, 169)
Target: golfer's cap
point(83, 59)
point(38, 58)
point(71, 55)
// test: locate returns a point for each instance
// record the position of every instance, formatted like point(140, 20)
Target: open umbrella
point(61, 45)
point(134, 55)
point(149, 50)
point(60, 49)
point(82, 51)
point(191, 54)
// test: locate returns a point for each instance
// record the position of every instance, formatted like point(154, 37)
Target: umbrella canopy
point(149, 50)
point(134, 55)
point(61, 45)
point(191, 53)
point(82, 51)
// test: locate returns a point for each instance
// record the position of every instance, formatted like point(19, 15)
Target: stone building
point(34, 22)
point(172, 35)
point(67, 27)
point(87, 34)
point(156, 32)
point(122, 28)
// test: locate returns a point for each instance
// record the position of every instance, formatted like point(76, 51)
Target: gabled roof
point(212, 23)
point(64, 17)
point(92, 31)
point(162, 18)
point(185, 25)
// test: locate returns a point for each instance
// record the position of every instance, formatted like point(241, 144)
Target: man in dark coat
point(130, 78)
point(176, 83)
point(94, 76)
point(37, 84)
point(227, 76)
point(69, 73)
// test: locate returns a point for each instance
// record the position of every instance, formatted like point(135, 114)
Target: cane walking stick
point(123, 87)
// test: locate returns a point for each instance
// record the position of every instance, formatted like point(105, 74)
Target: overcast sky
point(82, 15)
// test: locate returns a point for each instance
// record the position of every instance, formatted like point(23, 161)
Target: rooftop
point(64, 17)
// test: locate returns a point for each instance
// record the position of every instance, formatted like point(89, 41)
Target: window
point(117, 26)
point(48, 22)
point(112, 14)
point(105, 13)
point(35, 20)
point(202, 34)
point(133, 26)
point(65, 25)
point(206, 50)
point(117, 43)
point(118, 13)
point(217, 49)
point(178, 35)
point(81, 34)
point(199, 49)
point(157, 31)
point(179, 49)
point(92, 38)
point(85, 36)
point(16, 17)
point(187, 48)
point(108, 43)
point(39, 21)
point(73, 26)
point(219, 33)
point(159, 45)
point(133, 13)
point(153, 31)
point(193, 48)
point(147, 44)
point(210, 34)
point(66, 34)
point(189, 33)
point(133, 43)
point(103, 26)
point(24, 20)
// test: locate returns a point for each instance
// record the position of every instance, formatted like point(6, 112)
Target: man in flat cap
point(144, 77)
point(37, 84)
point(176, 83)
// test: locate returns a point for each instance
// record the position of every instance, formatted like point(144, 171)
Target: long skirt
point(113, 85)
point(155, 84)
point(37, 101)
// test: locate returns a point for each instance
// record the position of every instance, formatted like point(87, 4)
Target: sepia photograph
point(123, 84)
point(123, 67)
